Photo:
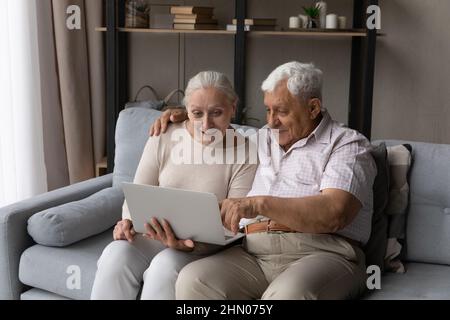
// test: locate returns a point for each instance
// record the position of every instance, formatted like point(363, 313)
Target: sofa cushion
point(38, 294)
point(47, 268)
point(428, 223)
point(421, 281)
point(131, 136)
point(71, 222)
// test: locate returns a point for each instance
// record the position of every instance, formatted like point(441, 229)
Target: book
point(233, 27)
point(193, 16)
point(160, 17)
point(191, 10)
point(196, 20)
point(194, 26)
point(258, 22)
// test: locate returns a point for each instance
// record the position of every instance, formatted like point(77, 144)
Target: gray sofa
point(72, 225)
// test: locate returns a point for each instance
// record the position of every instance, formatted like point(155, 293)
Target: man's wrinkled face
point(294, 120)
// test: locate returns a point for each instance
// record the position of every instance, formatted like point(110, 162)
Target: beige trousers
point(278, 265)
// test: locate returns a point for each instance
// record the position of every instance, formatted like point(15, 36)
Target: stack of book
point(193, 18)
point(255, 24)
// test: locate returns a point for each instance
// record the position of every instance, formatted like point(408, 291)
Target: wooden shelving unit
point(361, 74)
point(296, 33)
point(131, 30)
point(313, 33)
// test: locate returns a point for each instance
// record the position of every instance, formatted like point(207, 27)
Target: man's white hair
point(304, 80)
point(210, 79)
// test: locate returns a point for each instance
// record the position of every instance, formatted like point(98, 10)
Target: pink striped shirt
point(332, 156)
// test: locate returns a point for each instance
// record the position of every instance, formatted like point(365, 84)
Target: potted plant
point(313, 14)
point(137, 14)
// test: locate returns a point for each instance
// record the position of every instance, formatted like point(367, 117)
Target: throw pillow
point(399, 158)
point(375, 249)
point(71, 222)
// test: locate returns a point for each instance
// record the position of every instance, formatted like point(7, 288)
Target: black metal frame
point(362, 71)
point(116, 73)
point(361, 77)
point(239, 57)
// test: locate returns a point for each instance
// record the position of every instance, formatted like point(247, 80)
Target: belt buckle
point(268, 226)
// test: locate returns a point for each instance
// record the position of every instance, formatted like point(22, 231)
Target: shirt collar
point(322, 133)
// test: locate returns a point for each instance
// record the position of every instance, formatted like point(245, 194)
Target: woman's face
point(209, 113)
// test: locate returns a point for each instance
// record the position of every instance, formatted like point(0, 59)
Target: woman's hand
point(170, 115)
point(124, 230)
point(164, 234)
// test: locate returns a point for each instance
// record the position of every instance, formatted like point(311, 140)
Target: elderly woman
point(132, 259)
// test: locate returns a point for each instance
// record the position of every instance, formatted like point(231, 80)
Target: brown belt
point(266, 226)
point(270, 225)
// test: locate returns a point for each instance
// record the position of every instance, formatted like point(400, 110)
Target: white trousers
point(124, 266)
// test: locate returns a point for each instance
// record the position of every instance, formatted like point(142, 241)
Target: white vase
point(322, 5)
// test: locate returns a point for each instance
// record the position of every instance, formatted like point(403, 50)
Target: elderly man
point(308, 213)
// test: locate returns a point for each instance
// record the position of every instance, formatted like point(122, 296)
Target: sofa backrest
point(131, 136)
point(428, 217)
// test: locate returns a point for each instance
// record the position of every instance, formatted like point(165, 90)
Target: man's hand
point(124, 231)
point(170, 115)
point(165, 235)
point(233, 210)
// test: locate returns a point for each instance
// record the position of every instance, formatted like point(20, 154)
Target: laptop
point(192, 215)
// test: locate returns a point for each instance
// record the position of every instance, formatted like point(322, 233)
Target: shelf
point(314, 33)
point(131, 30)
point(362, 66)
point(309, 33)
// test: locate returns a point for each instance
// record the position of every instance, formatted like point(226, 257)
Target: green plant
point(138, 5)
point(142, 7)
point(312, 11)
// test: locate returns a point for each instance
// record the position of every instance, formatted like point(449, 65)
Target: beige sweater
point(159, 166)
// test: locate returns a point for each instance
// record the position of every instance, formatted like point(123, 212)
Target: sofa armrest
point(14, 238)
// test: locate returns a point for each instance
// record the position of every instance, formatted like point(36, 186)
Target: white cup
point(332, 21)
point(342, 22)
point(303, 21)
point(294, 22)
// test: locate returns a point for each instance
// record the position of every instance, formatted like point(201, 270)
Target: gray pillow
point(375, 248)
point(71, 222)
point(400, 159)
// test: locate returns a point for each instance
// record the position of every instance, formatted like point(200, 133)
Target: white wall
point(412, 80)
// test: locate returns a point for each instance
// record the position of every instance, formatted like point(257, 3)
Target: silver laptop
point(192, 215)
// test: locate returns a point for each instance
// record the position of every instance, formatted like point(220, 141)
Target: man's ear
point(315, 107)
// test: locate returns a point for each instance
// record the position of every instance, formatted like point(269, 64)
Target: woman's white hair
point(304, 80)
point(210, 79)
